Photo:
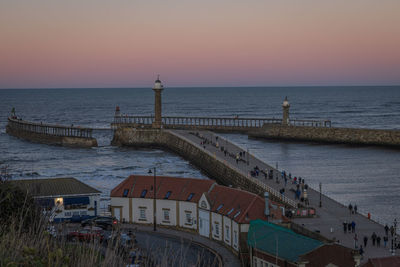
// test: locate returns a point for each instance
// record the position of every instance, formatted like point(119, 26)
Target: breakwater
point(51, 134)
point(222, 172)
point(356, 136)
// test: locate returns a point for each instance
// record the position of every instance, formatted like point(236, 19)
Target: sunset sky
point(125, 43)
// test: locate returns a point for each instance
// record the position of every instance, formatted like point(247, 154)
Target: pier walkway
point(329, 218)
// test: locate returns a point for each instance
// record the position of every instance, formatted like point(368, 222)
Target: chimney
point(266, 209)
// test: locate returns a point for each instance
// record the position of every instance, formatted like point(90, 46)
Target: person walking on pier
point(350, 208)
point(353, 226)
point(373, 237)
point(365, 241)
point(344, 227)
point(386, 230)
point(392, 230)
point(385, 240)
point(378, 241)
point(361, 251)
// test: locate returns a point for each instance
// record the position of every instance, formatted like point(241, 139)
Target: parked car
point(86, 235)
point(101, 221)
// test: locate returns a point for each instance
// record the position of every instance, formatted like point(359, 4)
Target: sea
point(367, 176)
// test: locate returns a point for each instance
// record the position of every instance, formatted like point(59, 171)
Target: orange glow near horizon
point(124, 43)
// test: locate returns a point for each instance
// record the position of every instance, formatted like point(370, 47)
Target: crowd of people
point(300, 192)
point(375, 239)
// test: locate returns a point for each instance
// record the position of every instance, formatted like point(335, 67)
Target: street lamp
point(394, 242)
point(248, 157)
point(154, 199)
point(320, 194)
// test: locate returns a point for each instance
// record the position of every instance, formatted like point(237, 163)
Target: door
point(117, 213)
point(204, 223)
point(95, 208)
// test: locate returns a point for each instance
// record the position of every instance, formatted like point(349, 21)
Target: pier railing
point(214, 122)
point(49, 129)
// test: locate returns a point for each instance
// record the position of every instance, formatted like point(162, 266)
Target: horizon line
point(217, 86)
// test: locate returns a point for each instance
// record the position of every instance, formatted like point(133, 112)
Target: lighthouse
point(158, 87)
point(285, 107)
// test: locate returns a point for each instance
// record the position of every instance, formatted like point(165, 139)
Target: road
point(181, 245)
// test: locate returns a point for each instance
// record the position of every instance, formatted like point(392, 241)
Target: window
point(75, 213)
point(190, 197)
point(143, 194)
point(235, 237)
point(67, 214)
point(188, 215)
point(126, 191)
point(227, 235)
point(237, 214)
point(216, 229)
point(230, 211)
point(83, 212)
point(142, 213)
point(166, 214)
point(167, 195)
point(220, 207)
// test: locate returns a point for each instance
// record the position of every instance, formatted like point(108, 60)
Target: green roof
point(279, 241)
point(54, 187)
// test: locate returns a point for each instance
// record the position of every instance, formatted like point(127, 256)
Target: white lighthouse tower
point(158, 87)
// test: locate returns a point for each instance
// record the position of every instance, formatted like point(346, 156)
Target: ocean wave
point(125, 168)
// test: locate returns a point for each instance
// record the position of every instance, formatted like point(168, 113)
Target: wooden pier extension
point(51, 134)
point(222, 124)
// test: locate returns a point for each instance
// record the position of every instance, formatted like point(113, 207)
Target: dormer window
point(190, 197)
point(168, 195)
point(230, 211)
point(220, 207)
point(125, 194)
point(143, 194)
point(237, 214)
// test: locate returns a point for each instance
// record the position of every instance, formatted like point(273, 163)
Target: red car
point(86, 235)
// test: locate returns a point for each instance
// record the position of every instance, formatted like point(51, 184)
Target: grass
point(24, 241)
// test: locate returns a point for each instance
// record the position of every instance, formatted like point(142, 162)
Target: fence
point(215, 122)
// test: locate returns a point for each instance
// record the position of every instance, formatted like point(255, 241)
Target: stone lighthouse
point(285, 107)
point(158, 87)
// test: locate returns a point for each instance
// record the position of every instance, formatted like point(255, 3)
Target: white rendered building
point(214, 211)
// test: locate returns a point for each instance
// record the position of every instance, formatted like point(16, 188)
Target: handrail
point(49, 129)
point(217, 122)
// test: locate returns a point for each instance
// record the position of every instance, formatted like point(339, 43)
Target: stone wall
point(329, 135)
point(51, 139)
point(202, 159)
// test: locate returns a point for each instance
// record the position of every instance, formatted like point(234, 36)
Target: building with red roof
point(214, 211)
point(392, 261)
